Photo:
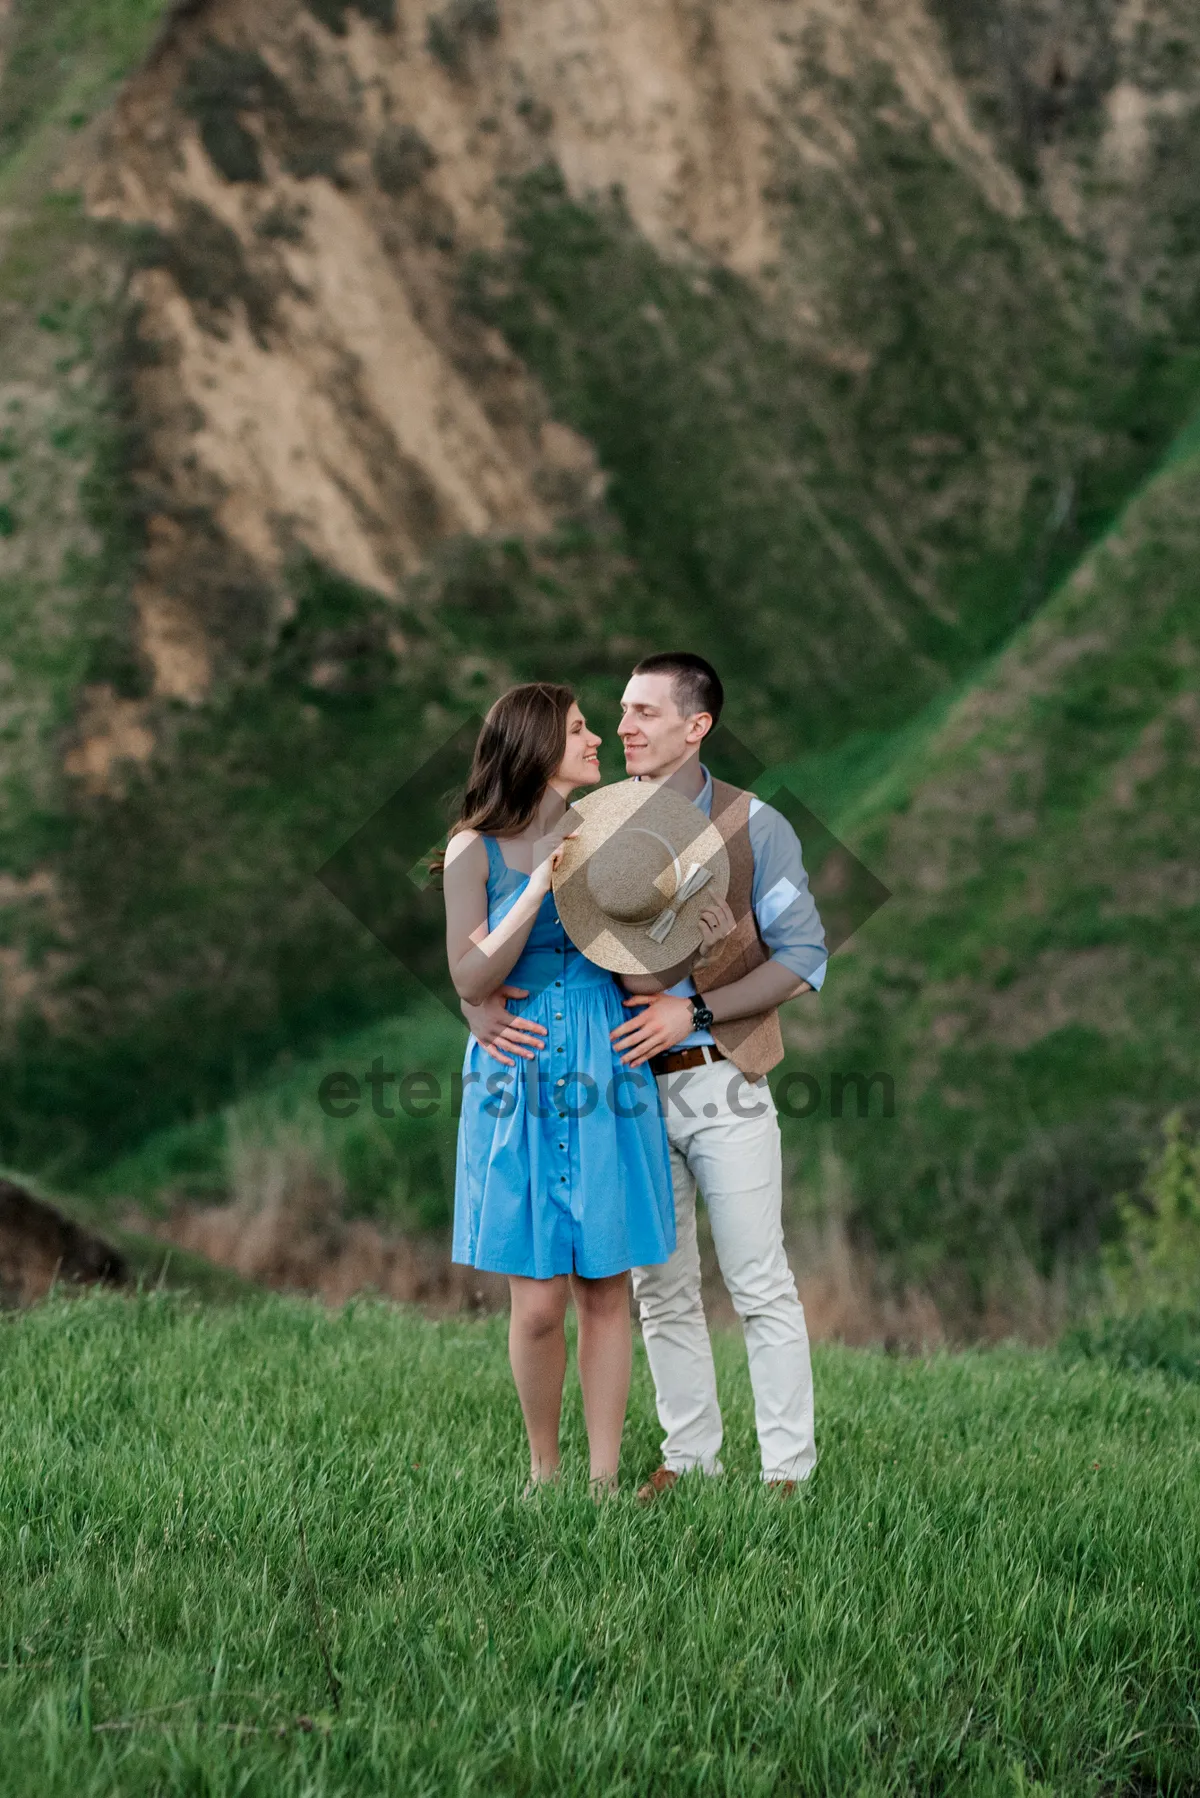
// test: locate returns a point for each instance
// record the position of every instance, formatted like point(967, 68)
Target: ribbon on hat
point(697, 877)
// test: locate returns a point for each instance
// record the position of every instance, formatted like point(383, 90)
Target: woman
point(559, 1185)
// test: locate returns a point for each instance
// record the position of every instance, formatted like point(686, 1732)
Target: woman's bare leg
point(605, 1360)
point(537, 1349)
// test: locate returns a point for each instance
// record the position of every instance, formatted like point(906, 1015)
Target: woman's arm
point(481, 960)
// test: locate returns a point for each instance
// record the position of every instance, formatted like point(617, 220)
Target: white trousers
point(724, 1136)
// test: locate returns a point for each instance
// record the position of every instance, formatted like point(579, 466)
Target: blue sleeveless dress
point(563, 1162)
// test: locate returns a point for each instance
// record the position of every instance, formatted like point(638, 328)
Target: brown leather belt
point(673, 1061)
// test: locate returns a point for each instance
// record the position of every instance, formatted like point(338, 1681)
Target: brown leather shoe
point(660, 1481)
point(785, 1488)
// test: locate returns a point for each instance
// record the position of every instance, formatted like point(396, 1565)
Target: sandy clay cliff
point(310, 181)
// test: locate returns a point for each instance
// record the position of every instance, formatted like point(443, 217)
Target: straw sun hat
point(631, 886)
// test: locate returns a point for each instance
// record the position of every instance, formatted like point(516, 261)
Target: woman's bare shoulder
point(466, 850)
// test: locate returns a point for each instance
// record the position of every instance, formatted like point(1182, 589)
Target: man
point(711, 1050)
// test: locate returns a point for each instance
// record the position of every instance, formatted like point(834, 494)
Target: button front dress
point(563, 1161)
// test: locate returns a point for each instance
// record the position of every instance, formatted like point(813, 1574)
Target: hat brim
point(626, 948)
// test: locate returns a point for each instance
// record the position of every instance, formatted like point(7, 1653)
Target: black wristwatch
point(702, 1017)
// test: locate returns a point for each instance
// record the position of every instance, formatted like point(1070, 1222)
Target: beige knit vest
point(755, 1043)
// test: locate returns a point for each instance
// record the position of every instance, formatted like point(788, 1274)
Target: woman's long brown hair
point(521, 745)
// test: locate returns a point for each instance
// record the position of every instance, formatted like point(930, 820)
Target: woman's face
point(580, 766)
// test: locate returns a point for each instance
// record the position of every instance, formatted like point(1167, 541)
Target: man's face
point(657, 736)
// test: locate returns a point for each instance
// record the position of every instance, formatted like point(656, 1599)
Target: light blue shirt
point(783, 905)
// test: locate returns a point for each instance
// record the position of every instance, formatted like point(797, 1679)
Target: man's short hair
point(695, 683)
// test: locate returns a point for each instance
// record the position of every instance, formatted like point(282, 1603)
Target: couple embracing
point(624, 958)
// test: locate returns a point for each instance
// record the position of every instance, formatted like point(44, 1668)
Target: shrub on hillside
point(1161, 1338)
point(220, 84)
point(1154, 1268)
point(1157, 1260)
point(332, 13)
point(401, 160)
point(448, 32)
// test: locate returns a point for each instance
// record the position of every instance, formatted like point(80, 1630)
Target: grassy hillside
point(1032, 984)
point(849, 478)
point(845, 530)
point(397, 1171)
point(1081, 96)
point(1030, 987)
point(69, 531)
point(60, 64)
point(269, 1549)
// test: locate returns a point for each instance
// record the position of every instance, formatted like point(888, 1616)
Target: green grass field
point(266, 1548)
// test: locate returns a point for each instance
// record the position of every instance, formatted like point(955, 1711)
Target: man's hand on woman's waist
point(496, 1028)
point(663, 1020)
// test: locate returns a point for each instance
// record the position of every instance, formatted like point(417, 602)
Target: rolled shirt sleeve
point(783, 903)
